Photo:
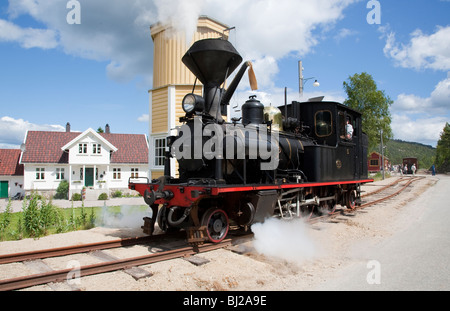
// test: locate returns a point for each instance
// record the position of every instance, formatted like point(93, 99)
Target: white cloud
point(144, 118)
point(416, 118)
point(423, 51)
point(411, 104)
point(419, 119)
point(12, 131)
point(424, 130)
point(28, 37)
point(344, 33)
point(441, 95)
point(437, 103)
point(264, 27)
point(118, 31)
point(265, 69)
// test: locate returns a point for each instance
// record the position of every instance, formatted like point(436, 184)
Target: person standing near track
point(413, 169)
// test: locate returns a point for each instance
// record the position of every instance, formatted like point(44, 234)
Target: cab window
point(323, 123)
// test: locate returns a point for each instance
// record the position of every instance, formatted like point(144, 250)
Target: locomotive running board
point(215, 190)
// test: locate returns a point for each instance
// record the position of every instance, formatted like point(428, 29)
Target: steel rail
point(61, 275)
point(362, 206)
point(391, 195)
point(76, 249)
point(383, 188)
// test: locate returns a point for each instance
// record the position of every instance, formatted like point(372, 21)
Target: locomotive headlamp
point(192, 102)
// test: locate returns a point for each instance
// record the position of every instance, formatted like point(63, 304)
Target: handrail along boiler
point(317, 165)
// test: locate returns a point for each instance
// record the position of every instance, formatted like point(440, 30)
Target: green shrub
point(32, 217)
point(103, 196)
point(76, 197)
point(63, 190)
point(5, 219)
point(117, 194)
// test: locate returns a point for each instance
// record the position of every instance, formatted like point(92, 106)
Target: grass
point(40, 217)
point(379, 176)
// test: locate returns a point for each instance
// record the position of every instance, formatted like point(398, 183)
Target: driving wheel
point(216, 222)
point(351, 199)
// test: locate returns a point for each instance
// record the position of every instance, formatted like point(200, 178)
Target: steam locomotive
point(293, 161)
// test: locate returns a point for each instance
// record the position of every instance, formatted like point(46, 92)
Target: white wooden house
point(99, 162)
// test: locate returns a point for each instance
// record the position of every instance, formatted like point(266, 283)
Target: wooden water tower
point(172, 80)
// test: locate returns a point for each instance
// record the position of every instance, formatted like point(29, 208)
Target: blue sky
point(100, 71)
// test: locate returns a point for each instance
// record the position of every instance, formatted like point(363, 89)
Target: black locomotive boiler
point(293, 161)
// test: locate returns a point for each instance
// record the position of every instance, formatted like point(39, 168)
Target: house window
point(82, 148)
point(373, 162)
point(117, 173)
point(96, 148)
point(134, 173)
point(160, 148)
point(40, 173)
point(59, 173)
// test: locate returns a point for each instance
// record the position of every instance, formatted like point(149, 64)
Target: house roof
point(84, 134)
point(9, 162)
point(46, 147)
point(131, 148)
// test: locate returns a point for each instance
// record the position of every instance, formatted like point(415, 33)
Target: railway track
point(83, 248)
point(377, 196)
point(383, 194)
point(62, 275)
point(389, 191)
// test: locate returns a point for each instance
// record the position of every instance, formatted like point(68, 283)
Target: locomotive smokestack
point(212, 61)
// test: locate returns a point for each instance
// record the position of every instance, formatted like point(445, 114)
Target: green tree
point(443, 151)
point(364, 96)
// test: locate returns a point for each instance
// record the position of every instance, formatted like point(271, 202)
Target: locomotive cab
point(339, 149)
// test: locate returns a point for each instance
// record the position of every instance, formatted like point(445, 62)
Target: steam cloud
point(128, 217)
point(283, 239)
point(181, 15)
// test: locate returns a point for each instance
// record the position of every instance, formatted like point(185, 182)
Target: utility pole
point(302, 80)
point(382, 153)
point(300, 75)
